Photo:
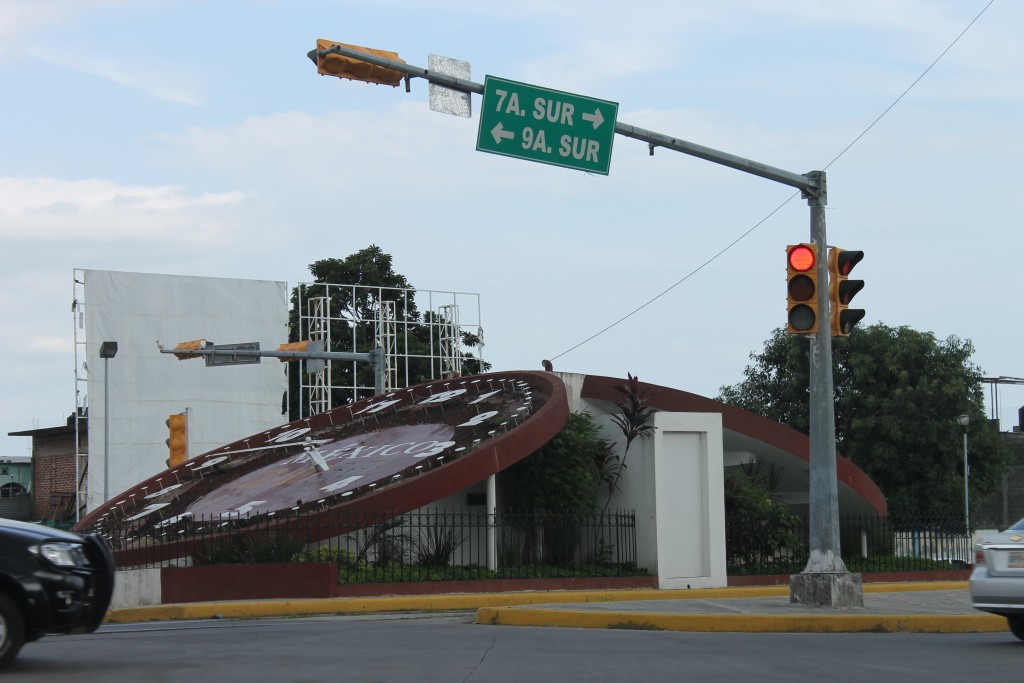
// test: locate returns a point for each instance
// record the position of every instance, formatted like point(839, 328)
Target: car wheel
point(1016, 625)
point(12, 631)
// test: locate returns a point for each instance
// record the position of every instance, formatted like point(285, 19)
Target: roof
point(769, 441)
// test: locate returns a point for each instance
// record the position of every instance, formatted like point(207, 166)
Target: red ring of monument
point(390, 454)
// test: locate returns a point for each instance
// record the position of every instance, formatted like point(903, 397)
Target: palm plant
point(633, 420)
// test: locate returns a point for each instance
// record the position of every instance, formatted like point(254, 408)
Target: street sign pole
point(825, 581)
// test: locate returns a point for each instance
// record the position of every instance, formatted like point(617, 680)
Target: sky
point(196, 138)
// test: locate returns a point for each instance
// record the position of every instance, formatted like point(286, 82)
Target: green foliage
point(634, 415)
point(635, 626)
point(383, 555)
point(346, 559)
point(633, 420)
point(356, 310)
point(563, 474)
point(437, 546)
point(760, 531)
point(386, 542)
point(250, 548)
point(375, 573)
point(898, 394)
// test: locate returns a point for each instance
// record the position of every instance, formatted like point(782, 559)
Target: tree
point(759, 529)
point(898, 393)
point(354, 310)
point(554, 486)
point(564, 474)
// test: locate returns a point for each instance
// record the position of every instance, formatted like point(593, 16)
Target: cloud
point(48, 31)
point(47, 210)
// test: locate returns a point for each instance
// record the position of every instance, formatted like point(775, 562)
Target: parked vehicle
point(51, 581)
point(997, 582)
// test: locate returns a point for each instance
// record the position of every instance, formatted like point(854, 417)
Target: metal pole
point(378, 370)
point(806, 182)
point(967, 494)
point(492, 511)
point(825, 554)
point(106, 430)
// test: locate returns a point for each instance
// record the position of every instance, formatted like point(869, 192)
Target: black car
point(51, 581)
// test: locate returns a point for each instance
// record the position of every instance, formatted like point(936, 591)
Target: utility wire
point(788, 199)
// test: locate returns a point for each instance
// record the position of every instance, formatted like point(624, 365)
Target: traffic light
point(194, 345)
point(177, 442)
point(299, 346)
point(841, 291)
point(802, 288)
point(355, 69)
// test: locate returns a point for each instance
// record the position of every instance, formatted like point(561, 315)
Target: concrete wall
point(689, 500)
point(140, 310)
point(136, 588)
point(674, 482)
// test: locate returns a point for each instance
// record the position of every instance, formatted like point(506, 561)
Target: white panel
point(137, 310)
point(684, 543)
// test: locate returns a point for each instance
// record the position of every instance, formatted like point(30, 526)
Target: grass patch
point(634, 626)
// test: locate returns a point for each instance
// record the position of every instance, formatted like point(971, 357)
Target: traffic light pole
point(825, 582)
point(374, 357)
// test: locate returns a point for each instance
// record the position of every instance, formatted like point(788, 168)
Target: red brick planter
point(248, 581)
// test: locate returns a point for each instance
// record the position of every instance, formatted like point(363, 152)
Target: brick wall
point(53, 471)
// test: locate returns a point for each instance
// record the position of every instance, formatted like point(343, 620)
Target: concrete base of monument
point(839, 590)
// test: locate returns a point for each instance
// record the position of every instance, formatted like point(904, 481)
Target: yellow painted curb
point(460, 601)
point(241, 609)
point(745, 623)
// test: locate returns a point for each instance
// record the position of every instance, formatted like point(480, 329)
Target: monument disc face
point(388, 454)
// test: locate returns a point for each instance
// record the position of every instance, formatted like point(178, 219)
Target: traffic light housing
point(194, 345)
point(841, 291)
point(355, 69)
point(177, 442)
point(802, 288)
point(298, 346)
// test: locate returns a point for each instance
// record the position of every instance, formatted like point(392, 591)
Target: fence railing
point(426, 544)
point(869, 543)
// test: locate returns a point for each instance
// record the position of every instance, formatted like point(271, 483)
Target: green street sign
point(549, 126)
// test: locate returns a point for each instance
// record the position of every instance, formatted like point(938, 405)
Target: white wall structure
point(674, 481)
point(226, 403)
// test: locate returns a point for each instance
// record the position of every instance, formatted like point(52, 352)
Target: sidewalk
point(933, 607)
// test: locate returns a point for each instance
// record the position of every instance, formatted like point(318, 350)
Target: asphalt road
point(422, 648)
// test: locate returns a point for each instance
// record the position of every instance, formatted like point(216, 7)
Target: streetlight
point(108, 350)
point(965, 420)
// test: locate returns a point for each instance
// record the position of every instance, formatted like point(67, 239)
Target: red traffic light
point(802, 288)
point(802, 258)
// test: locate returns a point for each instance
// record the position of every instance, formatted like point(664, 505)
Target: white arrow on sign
point(500, 133)
point(596, 118)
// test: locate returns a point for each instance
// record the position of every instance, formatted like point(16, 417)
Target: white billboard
point(138, 310)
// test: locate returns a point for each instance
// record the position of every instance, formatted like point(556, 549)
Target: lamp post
point(965, 420)
point(108, 350)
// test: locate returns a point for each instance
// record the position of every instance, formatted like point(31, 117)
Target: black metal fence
point(869, 543)
point(420, 545)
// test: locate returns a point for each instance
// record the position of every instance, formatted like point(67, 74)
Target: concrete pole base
point(839, 590)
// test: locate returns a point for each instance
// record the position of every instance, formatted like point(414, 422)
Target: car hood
point(36, 533)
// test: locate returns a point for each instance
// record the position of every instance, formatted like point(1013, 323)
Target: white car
point(997, 582)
